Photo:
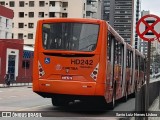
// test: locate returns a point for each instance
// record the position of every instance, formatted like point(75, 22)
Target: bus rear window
point(70, 36)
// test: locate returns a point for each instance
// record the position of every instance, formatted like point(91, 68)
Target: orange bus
point(82, 59)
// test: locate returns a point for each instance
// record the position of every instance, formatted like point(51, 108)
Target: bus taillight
point(95, 72)
point(41, 71)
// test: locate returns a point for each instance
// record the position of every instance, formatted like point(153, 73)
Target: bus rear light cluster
point(95, 72)
point(41, 71)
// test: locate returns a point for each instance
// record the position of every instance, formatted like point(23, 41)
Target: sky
point(152, 5)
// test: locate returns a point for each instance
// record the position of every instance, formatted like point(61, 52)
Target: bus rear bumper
point(70, 88)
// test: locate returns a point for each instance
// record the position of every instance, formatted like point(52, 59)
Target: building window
point(41, 14)
point(87, 13)
point(64, 14)
point(20, 35)
point(12, 35)
point(31, 14)
point(6, 35)
point(25, 64)
point(30, 25)
point(31, 3)
point(7, 23)
point(11, 3)
point(65, 4)
point(41, 3)
point(21, 14)
point(52, 3)
point(12, 25)
point(51, 14)
point(21, 3)
point(30, 36)
point(2, 3)
point(20, 25)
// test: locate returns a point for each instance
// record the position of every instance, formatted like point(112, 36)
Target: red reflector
point(66, 77)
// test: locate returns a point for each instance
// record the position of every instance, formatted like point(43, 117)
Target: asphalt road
point(20, 99)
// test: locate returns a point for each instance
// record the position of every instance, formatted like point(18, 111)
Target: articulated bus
point(86, 60)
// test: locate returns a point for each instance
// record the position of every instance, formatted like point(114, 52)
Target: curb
point(16, 85)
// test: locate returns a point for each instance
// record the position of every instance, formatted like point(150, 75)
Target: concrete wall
point(154, 90)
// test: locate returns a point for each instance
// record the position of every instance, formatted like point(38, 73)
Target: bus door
point(130, 60)
point(122, 63)
point(109, 66)
point(137, 72)
point(112, 61)
point(131, 72)
point(118, 66)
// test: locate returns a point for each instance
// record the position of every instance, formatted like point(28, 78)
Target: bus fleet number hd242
point(81, 62)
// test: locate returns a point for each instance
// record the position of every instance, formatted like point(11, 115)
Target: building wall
point(77, 11)
point(10, 47)
point(106, 10)
point(6, 16)
point(27, 67)
point(25, 29)
point(58, 8)
point(121, 15)
point(144, 44)
point(137, 15)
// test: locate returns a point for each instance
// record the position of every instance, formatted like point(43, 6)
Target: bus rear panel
point(68, 58)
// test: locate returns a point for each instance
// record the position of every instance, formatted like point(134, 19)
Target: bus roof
point(129, 47)
point(139, 53)
point(85, 20)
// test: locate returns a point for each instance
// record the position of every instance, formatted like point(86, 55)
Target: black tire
point(57, 101)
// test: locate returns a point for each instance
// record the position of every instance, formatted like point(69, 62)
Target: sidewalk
point(16, 85)
point(154, 107)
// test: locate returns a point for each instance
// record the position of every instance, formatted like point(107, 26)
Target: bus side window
point(119, 53)
point(116, 52)
point(127, 58)
point(139, 63)
point(109, 47)
point(136, 64)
